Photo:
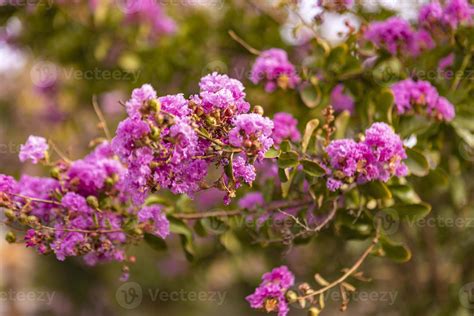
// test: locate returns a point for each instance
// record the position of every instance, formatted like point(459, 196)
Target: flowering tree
point(373, 133)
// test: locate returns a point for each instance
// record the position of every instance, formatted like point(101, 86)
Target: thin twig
point(246, 45)
point(100, 115)
point(59, 152)
point(270, 208)
point(32, 199)
point(349, 272)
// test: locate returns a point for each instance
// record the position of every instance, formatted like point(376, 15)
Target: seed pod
point(258, 109)
point(291, 297)
point(9, 214)
point(55, 173)
point(313, 311)
point(155, 105)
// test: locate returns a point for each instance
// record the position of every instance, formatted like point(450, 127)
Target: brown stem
point(100, 115)
point(348, 273)
point(270, 208)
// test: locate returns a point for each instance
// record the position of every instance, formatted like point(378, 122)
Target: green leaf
point(272, 153)
point(384, 102)
point(288, 160)
point(377, 189)
point(282, 174)
point(311, 126)
point(417, 163)
point(311, 96)
point(412, 212)
point(155, 242)
point(214, 225)
point(312, 168)
point(285, 146)
point(395, 251)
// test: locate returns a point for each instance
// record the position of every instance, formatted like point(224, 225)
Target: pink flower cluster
point(149, 12)
point(169, 142)
point(378, 157)
point(396, 36)
point(81, 210)
point(456, 12)
point(270, 295)
point(417, 96)
point(274, 68)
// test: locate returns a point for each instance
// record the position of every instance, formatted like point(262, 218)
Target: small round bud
point(137, 231)
point(55, 173)
point(211, 120)
point(155, 133)
point(313, 311)
point(291, 296)
point(10, 237)
point(160, 118)
point(32, 220)
point(248, 143)
point(109, 181)
point(9, 214)
point(258, 110)
point(23, 218)
point(132, 259)
point(155, 105)
point(92, 202)
point(125, 269)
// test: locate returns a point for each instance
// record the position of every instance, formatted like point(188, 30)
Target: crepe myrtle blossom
point(35, 149)
point(169, 142)
point(274, 68)
point(340, 100)
point(378, 157)
point(149, 12)
point(251, 200)
point(270, 294)
point(82, 209)
point(396, 36)
point(433, 16)
point(285, 127)
point(420, 96)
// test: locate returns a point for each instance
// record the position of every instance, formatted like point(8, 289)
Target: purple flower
point(252, 132)
point(379, 157)
point(430, 14)
point(153, 213)
point(412, 96)
point(128, 133)
point(285, 128)
point(341, 101)
point(270, 295)
point(251, 200)
point(34, 149)
point(457, 12)
point(395, 35)
point(221, 92)
point(75, 203)
point(273, 67)
point(140, 97)
point(446, 62)
point(151, 13)
point(8, 184)
point(243, 171)
point(175, 104)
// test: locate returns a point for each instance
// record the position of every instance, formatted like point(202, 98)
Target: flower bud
point(248, 143)
point(211, 121)
point(55, 173)
point(137, 231)
point(32, 220)
point(155, 105)
point(313, 311)
point(10, 237)
point(155, 133)
point(9, 214)
point(258, 110)
point(92, 202)
point(291, 296)
point(23, 218)
point(109, 181)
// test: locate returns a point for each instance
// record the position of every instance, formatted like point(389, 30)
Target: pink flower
point(34, 149)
